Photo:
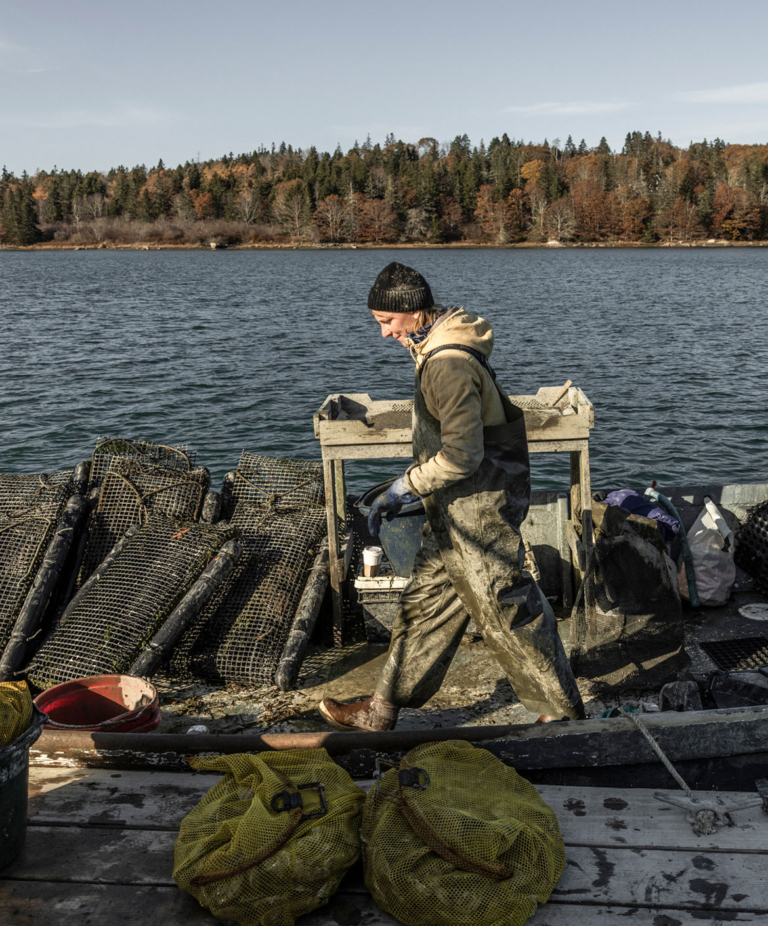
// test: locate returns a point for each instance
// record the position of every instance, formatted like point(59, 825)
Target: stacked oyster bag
point(38, 517)
point(154, 570)
point(129, 481)
point(278, 505)
point(453, 837)
point(273, 839)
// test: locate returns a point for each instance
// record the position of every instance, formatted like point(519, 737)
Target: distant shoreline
point(455, 245)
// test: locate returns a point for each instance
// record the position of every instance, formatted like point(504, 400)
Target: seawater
point(232, 350)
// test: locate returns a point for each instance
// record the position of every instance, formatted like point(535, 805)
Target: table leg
point(335, 563)
point(587, 535)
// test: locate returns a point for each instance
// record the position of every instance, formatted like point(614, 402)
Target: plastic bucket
point(400, 537)
point(14, 783)
point(103, 703)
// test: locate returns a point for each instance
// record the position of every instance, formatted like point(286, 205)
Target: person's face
point(397, 325)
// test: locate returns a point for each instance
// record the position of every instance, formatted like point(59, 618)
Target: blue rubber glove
point(391, 501)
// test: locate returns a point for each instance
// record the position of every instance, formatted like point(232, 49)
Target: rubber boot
point(372, 714)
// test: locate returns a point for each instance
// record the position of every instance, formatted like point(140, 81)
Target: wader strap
point(481, 358)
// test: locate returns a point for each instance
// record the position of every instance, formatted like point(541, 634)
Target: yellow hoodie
point(461, 394)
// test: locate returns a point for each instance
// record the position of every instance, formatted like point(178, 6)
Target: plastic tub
point(103, 703)
point(400, 537)
point(14, 783)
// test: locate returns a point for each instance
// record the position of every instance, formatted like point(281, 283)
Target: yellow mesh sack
point(273, 839)
point(453, 836)
point(15, 711)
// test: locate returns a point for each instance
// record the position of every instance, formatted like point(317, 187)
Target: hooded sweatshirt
point(461, 394)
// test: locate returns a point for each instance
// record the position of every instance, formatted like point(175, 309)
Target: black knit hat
point(400, 289)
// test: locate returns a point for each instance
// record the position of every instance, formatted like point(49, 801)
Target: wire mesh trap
point(112, 450)
point(737, 655)
point(110, 620)
point(130, 491)
point(278, 507)
point(752, 547)
point(30, 507)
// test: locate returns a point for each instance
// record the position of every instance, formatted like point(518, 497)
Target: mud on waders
point(476, 524)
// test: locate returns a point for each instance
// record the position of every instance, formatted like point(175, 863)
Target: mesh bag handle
point(288, 801)
point(409, 787)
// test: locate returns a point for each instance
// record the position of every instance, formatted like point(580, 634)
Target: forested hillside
point(503, 193)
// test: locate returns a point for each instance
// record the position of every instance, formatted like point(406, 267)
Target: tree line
point(399, 192)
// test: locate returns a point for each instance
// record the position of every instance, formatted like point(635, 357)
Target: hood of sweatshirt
point(457, 327)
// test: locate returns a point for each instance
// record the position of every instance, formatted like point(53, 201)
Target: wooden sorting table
point(353, 426)
point(100, 851)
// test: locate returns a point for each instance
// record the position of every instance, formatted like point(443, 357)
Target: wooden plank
point(723, 881)
point(97, 854)
point(540, 424)
point(587, 816)
point(142, 800)
point(369, 452)
point(332, 433)
point(335, 567)
point(634, 818)
point(555, 446)
point(53, 904)
point(41, 903)
point(707, 880)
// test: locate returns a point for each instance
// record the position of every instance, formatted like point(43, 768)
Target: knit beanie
point(400, 289)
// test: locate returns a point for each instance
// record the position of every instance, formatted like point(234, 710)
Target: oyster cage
point(129, 493)
point(278, 507)
point(109, 621)
point(752, 547)
point(112, 450)
point(30, 507)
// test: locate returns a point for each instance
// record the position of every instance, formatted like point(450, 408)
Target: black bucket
point(400, 537)
point(14, 782)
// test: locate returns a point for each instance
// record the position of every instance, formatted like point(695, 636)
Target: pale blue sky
point(96, 84)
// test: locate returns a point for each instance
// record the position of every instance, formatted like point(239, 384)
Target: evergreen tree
point(20, 216)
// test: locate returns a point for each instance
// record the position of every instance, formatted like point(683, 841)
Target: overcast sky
point(96, 84)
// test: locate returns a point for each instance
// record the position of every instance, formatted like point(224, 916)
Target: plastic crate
point(379, 596)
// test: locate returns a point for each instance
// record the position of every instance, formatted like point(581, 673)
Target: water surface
point(233, 350)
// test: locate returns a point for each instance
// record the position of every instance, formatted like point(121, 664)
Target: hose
point(693, 593)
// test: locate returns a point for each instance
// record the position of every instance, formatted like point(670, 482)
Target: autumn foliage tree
point(493, 215)
point(419, 191)
point(330, 216)
point(736, 213)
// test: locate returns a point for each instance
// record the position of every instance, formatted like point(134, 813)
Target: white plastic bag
point(712, 546)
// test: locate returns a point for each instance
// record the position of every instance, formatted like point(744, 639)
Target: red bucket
point(103, 703)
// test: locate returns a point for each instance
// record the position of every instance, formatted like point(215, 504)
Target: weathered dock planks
point(100, 849)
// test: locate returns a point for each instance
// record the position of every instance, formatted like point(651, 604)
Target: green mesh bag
point(273, 839)
point(15, 711)
point(453, 837)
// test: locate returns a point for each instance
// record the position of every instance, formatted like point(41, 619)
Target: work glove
point(389, 502)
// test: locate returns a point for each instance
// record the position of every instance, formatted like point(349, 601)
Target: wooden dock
point(100, 851)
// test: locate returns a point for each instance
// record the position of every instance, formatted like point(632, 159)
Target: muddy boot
point(373, 713)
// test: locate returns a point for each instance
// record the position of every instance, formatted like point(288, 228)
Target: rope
point(275, 495)
point(658, 750)
point(141, 499)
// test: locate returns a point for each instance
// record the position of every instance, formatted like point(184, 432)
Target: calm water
point(236, 350)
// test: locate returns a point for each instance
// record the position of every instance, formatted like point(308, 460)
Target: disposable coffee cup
point(372, 557)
